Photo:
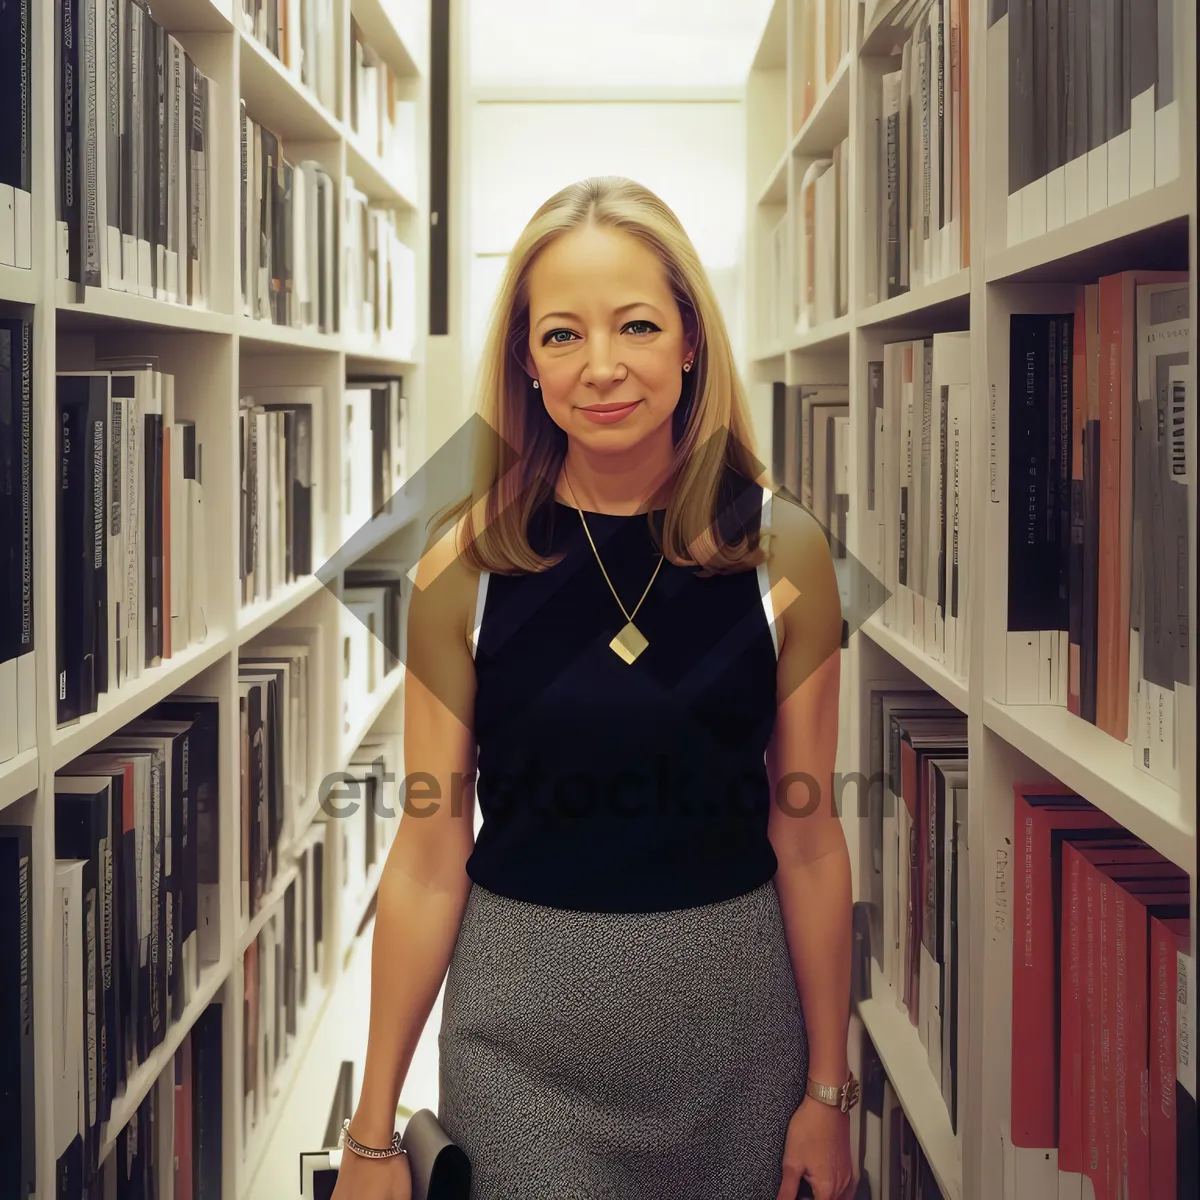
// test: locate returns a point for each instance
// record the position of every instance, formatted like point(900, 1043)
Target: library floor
point(341, 1037)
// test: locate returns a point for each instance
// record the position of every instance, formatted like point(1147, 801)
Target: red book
point(1070, 1133)
point(1168, 940)
point(1079, 384)
point(1108, 1052)
point(1041, 819)
point(1166, 896)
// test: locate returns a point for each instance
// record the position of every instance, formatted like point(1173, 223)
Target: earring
point(687, 366)
point(536, 385)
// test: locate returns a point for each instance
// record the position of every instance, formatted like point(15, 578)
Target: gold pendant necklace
point(631, 641)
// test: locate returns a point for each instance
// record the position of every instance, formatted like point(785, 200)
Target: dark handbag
point(439, 1168)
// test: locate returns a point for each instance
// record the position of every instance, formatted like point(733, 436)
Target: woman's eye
point(642, 327)
point(558, 337)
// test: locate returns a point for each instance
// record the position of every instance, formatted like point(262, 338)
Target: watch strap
point(843, 1098)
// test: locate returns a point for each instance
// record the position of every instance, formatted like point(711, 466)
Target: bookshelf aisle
point(911, 220)
point(274, 281)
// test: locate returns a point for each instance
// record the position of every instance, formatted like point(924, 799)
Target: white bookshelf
point(1009, 744)
point(215, 353)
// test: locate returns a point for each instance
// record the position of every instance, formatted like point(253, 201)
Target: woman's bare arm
point(424, 886)
point(813, 879)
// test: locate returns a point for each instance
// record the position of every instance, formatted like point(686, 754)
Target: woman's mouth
point(608, 414)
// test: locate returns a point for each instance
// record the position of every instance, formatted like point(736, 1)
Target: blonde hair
point(519, 450)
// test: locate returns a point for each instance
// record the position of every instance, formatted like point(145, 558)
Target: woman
point(648, 945)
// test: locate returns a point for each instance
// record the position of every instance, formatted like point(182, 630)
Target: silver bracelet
point(348, 1142)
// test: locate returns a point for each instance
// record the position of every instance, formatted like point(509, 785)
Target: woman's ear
point(691, 330)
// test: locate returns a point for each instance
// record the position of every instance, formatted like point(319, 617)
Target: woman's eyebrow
point(569, 316)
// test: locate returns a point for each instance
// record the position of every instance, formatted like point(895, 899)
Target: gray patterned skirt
point(622, 1055)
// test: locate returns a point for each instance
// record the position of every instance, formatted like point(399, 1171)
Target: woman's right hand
point(373, 1179)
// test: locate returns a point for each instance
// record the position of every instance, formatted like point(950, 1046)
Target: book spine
point(1116, 434)
point(112, 139)
point(1032, 582)
point(1070, 1146)
point(152, 532)
point(1136, 1130)
point(97, 558)
point(70, 203)
point(70, 602)
point(90, 79)
point(1089, 1015)
point(1078, 520)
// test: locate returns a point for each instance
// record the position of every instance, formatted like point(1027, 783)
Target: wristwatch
point(843, 1098)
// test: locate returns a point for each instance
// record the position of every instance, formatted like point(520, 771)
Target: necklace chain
point(579, 509)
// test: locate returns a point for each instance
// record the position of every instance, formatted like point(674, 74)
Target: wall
point(562, 89)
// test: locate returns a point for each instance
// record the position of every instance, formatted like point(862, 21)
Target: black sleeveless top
point(609, 786)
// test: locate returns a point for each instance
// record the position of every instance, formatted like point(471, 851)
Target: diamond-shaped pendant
point(629, 643)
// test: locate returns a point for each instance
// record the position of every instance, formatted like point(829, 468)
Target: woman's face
point(606, 339)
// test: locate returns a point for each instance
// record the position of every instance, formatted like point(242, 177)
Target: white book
point(1166, 113)
point(357, 509)
point(262, 566)
point(951, 369)
point(958, 524)
point(893, 243)
point(181, 554)
point(1163, 370)
point(825, 268)
point(893, 449)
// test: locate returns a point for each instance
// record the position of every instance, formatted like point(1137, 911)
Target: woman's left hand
point(817, 1149)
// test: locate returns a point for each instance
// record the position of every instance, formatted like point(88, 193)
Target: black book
point(69, 1170)
point(136, 1155)
point(152, 506)
point(289, 959)
point(207, 1104)
point(81, 544)
point(18, 1140)
point(10, 488)
point(120, 933)
point(70, 162)
point(258, 800)
point(380, 450)
point(778, 429)
point(177, 735)
point(83, 830)
point(298, 441)
point(15, 100)
point(318, 886)
point(1064, 385)
point(1033, 550)
point(147, 875)
point(16, 489)
point(201, 913)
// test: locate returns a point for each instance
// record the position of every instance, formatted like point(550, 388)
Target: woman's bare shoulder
point(445, 587)
point(801, 572)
